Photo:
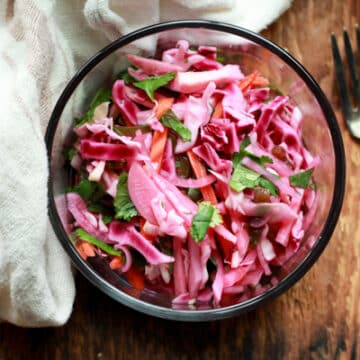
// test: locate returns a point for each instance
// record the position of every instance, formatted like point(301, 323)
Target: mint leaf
point(265, 183)
point(83, 235)
point(301, 179)
point(206, 216)
point(170, 120)
point(243, 178)
point(152, 83)
point(101, 96)
point(124, 208)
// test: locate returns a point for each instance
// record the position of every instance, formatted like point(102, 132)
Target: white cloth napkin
point(42, 43)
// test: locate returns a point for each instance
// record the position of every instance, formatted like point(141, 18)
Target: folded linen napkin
point(42, 43)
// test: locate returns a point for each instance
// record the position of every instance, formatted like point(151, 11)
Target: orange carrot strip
point(85, 249)
point(261, 81)
point(116, 263)
point(207, 192)
point(135, 277)
point(160, 138)
point(247, 81)
point(218, 112)
point(158, 147)
point(143, 233)
point(253, 80)
point(164, 104)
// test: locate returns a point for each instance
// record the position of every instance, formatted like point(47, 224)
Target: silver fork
point(351, 114)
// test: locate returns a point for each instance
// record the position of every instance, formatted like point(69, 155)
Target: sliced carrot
point(247, 81)
point(160, 137)
point(164, 104)
point(199, 169)
point(116, 263)
point(158, 147)
point(143, 233)
point(85, 249)
point(218, 111)
point(253, 80)
point(136, 278)
point(261, 81)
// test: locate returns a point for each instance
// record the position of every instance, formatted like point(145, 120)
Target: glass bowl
point(252, 52)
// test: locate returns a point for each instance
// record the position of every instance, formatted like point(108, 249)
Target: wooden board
point(319, 318)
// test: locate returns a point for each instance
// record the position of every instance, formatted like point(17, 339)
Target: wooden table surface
point(319, 318)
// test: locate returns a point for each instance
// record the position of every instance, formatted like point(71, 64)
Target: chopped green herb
point(262, 160)
point(313, 186)
point(301, 179)
point(83, 235)
point(236, 158)
point(124, 75)
point(170, 120)
point(243, 178)
point(265, 183)
point(88, 189)
point(152, 83)
point(124, 208)
point(70, 153)
point(99, 208)
point(244, 144)
point(101, 96)
point(107, 219)
point(220, 58)
point(206, 216)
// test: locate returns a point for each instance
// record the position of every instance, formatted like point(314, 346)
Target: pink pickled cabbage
point(127, 235)
point(260, 227)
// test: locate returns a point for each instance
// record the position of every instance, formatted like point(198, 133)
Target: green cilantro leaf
point(124, 208)
point(265, 183)
point(152, 83)
point(244, 144)
point(83, 235)
point(170, 120)
point(237, 157)
point(124, 75)
point(301, 179)
point(206, 216)
point(261, 160)
point(101, 209)
point(243, 178)
point(220, 58)
point(85, 188)
point(69, 153)
point(101, 96)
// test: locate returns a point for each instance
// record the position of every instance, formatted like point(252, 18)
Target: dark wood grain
point(319, 318)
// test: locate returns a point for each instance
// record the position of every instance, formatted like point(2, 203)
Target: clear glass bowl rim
point(301, 269)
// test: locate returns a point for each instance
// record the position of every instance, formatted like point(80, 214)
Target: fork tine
point(340, 76)
point(352, 67)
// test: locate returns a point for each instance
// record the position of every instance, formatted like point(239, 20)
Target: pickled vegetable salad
point(192, 179)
